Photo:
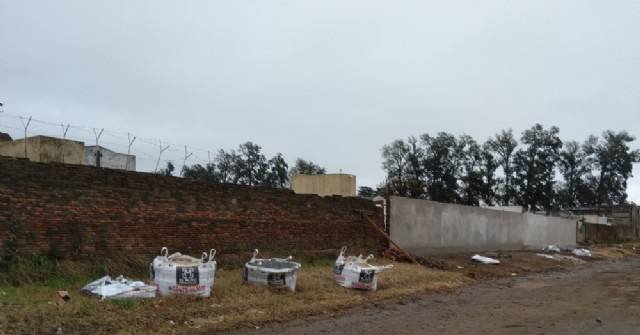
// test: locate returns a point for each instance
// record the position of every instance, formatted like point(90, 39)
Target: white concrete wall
point(514, 209)
point(109, 159)
point(427, 226)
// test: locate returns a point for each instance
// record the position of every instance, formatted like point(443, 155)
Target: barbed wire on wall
point(148, 157)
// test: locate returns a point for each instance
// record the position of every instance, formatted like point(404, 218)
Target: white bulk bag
point(183, 274)
point(355, 272)
point(272, 272)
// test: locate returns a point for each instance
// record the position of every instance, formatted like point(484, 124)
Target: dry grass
point(618, 252)
point(25, 309)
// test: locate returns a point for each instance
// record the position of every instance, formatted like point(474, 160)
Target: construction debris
point(582, 252)
point(60, 298)
point(551, 248)
point(119, 288)
point(484, 260)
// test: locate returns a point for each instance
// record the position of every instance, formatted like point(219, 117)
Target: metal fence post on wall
point(64, 138)
point(160, 155)
point(185, 160)
point(129, 150)
point(97, 134)
point(25, 134)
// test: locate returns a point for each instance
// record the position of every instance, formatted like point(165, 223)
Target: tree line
point(247, 166)
point(540, 171)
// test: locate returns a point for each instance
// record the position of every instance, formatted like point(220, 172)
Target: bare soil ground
point(525, 294)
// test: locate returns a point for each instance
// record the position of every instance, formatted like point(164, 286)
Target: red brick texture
point(79, 210)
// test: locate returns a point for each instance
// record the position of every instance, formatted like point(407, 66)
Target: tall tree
point(278, 174)
point(404, 164)
point(251, 166)
point(535, 167)
point(226, 162)
point(367, 192)
point(415, 173)
point(442, 167)
point(199, 172)
point(472, 186)
point(395, 159)
point(302, 166)
point(488, 167)
point(612, 160)
point(503, 146)
point(168, 171)
point(575, 170)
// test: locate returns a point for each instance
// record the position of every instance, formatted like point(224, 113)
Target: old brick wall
point(82, 210)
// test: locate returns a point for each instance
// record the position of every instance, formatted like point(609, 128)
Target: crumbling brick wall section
point(78, 210)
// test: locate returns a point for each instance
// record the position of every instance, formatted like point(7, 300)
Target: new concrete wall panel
point(427, 226)
point(431, 221)
point(461, 227)
point(516, 226)
point(478, 224)
point(561, 231)
point(422, 225)
point(449, 232)
point(501, 232)
point(535, 231)
point(505, 230)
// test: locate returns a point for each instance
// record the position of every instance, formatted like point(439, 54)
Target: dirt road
point(593, 298)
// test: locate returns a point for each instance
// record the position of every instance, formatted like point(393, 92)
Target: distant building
point(103, 157)
point(623, 219)
point(324, 184)
point(44, 149)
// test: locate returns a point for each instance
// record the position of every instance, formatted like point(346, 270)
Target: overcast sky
point(327, 81)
